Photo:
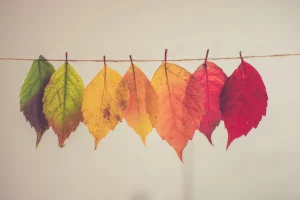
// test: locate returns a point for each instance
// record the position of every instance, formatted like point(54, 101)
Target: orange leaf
point(143, 102)
point(181, 106)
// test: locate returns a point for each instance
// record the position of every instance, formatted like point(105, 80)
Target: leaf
point(104, 101)
point(211, 78)
point(243, 101)
point(31, 95)
point(62, 101)
point(180, 105)
point(142, 107)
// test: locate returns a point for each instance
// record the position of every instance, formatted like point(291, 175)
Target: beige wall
point(263, 166)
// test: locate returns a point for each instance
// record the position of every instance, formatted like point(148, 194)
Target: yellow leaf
point(141, 112)
point(104, 101)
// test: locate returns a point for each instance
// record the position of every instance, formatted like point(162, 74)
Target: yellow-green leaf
point(62, 101)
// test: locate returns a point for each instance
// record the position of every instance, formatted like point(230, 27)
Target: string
point(153, 60)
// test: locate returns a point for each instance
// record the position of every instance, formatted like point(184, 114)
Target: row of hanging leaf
point(176, 103)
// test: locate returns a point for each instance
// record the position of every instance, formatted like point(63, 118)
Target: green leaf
point(31, 95)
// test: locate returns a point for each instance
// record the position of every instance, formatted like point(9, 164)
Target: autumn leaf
point(104, 101)
point(62, 101)
point(31, 95)
point(212, 79)
point(243, 101)
point(142, 107)
point(180, 106)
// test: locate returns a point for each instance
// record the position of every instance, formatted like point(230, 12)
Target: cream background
point(263, 166)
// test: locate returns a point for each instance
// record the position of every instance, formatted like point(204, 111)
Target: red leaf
point(211, 78)
point(243, 101)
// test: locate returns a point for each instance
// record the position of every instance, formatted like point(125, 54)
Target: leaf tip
point(228, 144)
point(209, 139)
point(143, 138)
point(61, 143)
point(230, 139)
point(96, 143)
point(179, 153)
point(38, 139)
point(181, 159)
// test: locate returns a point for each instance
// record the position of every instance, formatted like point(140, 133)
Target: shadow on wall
point(188, 173)
point(140, 196)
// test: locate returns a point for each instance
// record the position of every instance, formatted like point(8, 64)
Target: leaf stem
point(206, 57)
point(40, 73)
point(166, 53)
point(66, 62)
point(132, 69)
point(242, 63)
point(66, 57)
point(104, 60)
point(131, 60)
point(241, 56)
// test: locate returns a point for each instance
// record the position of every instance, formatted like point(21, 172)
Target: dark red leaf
point(243, 101)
